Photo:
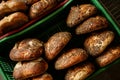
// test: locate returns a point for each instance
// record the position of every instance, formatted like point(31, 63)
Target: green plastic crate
point(6, 43)
point(37, 25)
point(43, 30)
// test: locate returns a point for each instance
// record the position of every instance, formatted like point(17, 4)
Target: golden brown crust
point(80, 72)
point(41, 7)
point(10, 7)
point(27, 49)
point(23, 70)
point(45, 76)
point(108, 56)
point(79, 13)
point(56, 43)
point(12, 22)
point(28, 2)
point(92, 24)
point(97, 42)
point(70, 58)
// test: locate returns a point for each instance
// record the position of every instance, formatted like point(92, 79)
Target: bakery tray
point(35, 22)
point(39, 26)
point(43, 30)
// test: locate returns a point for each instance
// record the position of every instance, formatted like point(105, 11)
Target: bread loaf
point(27, 49)
point(80, 72)
point(12, 22)
point(41, 7)
point(70, 58)
point(44, 76)
point(79, 13)
point(56, 43)
point(28, 2)
point(92, 24)
point(9, 7)
point(107, 57)
point(96, 43)
point(27, 69)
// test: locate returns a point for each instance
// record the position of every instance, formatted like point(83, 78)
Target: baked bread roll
point(70, 58)
point(92, 24)
point(79, 13)
point(56, 43)
point(44, 76)
point(24, 70)
point(80, 72)
point(41, 7)
point(10, 7)
point(27, 49)
point(108, 56)
point(96, 43)
point(28, 2)
point(12, 22)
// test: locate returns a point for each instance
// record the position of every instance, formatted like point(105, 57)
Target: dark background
point(112, 73)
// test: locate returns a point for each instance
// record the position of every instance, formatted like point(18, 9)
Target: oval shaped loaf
point(79, 13)
point(70, 58)
point(80, 72)
point(8, 7)
point(28, 2)
point(44, 76)
point(41, 7)
point(56, 43)
point(107, 57)
point(92, 24)
point(23, 70)
point(27, 49)
point(97, 42)
point(12, 22)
